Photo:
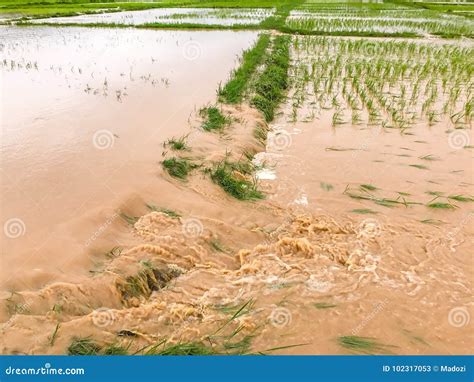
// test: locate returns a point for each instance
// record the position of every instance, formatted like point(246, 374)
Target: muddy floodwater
point(365, 230)
point(85, 113)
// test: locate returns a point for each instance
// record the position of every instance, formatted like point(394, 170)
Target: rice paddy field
point(221, 177)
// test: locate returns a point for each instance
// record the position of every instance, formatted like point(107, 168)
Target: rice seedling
point(260, 133)
point(177, 144)
point(419, 166)
point(83, 346)
point(432, 221)
point(368, 187)
point(441, 205)
point(217, 245)
point(129, 219)
point(323, 305)
point(271, 84)
point(364, 211)
point(115, 350)
point(326, 186)
point(364, 345)
point(54, 335)
point(214, 120)
point(167, 211)
point(429, 157)
point(226, 175)
point(461, 198)
point(178, 167)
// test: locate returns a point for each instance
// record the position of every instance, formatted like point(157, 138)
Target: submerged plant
point(213, 118)
point(228, 176)
point(178, 167)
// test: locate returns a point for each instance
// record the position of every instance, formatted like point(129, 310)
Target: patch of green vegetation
point(115, 350)
point(178, 144)
point(83, 346)
point(326, 186)
point(260, 133)
point(229, 176)
point(54, 335)
point(364, 211)
point(233, 90)
point(429, 157)
point(368, 187)
point(166, 211)
point(461, 198)
point(364, 194)
point(364, 345)
point(323, 305)
point(419, 166)
point(432, 221)
point(178, 167)
point(217, 245)
point(272, 83)
point(213, 118)
point(149, 279)
point(441, 205)
point(129, 219)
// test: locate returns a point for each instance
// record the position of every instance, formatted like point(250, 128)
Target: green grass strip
point(234, 89)
point(273, 82)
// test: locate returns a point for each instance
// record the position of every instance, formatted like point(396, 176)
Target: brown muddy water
point(311, 270)
point(85, 113)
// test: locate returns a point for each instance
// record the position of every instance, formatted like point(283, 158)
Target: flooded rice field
point(170, 15)
point(141, 209)
point(108, 100)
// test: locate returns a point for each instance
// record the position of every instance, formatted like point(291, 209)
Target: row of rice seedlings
point(388, 85)
point(439, 200)
point(233, 90)
point(273, 81)
point(382, 26)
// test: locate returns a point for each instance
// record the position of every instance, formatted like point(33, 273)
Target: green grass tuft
point(364, 345)
point(213, 118)
point(178, 167)
point(225, 175)
point(166, 211)
point(177, 144)
point(440, 205)
point(83, 346)
point(323, 305)
point(364, 211)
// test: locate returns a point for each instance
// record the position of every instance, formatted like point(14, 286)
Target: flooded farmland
point(313, 195)
point(170, 15)
point(96, 133)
